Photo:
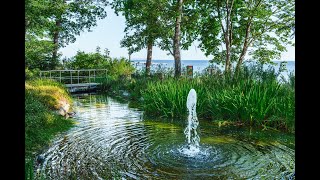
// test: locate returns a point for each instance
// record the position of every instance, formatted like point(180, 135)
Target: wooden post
point(190, 71)
point(78, 76)
point(89, 77)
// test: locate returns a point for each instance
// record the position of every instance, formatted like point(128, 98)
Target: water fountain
point(190, 132)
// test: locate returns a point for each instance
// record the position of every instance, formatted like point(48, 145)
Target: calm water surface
point(113, 141)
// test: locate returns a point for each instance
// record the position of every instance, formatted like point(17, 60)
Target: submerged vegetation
point(42, 123)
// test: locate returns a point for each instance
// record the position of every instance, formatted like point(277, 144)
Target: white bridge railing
point(74, 76)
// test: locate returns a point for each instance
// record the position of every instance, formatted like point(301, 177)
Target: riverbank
point(44, 100)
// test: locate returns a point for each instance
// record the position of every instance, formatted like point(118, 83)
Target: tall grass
point(41, 122)
point(253, 96)
point(168, 98)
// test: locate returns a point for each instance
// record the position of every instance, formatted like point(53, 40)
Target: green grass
point(254, 97)
point(42, 98)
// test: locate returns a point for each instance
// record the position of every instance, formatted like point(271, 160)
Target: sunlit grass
point(42, 123)
point(254, 97)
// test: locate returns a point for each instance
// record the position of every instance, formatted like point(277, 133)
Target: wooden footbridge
point(82, 80)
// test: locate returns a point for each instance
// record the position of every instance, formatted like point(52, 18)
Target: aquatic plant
point(253, 96)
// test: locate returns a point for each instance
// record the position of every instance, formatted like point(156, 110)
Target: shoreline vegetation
point(254, 96)
point(43, 100)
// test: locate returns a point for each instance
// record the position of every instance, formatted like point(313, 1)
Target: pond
point(113, 141)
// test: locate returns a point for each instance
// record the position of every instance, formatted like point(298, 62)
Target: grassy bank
point(254, 97)
point(42, 123)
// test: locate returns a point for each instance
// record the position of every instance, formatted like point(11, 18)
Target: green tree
point(143, 25)
point(180, 20)
point(262, 27)
point(83, 60)
point(38, 53)
point(96, 60)
point(38, 49)
point(37, 17)
point(73, 17)
point(164, 23)
point(61, 21)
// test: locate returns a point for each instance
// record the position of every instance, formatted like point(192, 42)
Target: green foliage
point(188, 26)
point(254, 96)
point(50, 24)
point(120, 67)
point(38, 54)
point(76, 17)
point(261, 27)
point(116, 67)
point(31, 74)
point(142, 23)
point(41, 122)
point(168, 98)
point(150, 23)
point(83, 60)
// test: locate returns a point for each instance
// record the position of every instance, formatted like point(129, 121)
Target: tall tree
point(160, 23)
point(61, 21)
point(73, 17)
point(36, 17)
point(180, 25)
point(143, 25)
point(262, 27)
point(38, 48)
point(176, 40)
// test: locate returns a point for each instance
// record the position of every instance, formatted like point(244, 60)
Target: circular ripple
point(111, 140)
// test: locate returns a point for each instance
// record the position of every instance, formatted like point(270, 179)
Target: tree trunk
point(149, 57)
point(228, 37)
point(176, 42)
point(55, 43)
point(227, 68)
point(243, 53)
point(227, 33)
point(244, 48)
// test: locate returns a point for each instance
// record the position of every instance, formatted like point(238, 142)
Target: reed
point(254, 96)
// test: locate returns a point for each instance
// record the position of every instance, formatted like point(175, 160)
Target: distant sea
point(198, 65)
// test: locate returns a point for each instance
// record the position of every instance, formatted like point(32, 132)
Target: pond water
point(112, 141)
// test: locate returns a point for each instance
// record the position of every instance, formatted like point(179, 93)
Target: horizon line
point(142, 59)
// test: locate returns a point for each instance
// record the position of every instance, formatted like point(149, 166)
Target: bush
point(31, 74)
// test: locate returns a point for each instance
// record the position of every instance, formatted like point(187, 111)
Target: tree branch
point(219, 16)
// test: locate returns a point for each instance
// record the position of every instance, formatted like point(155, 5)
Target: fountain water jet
point(192, 136)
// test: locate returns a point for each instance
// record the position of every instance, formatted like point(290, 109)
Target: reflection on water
point(111, 140)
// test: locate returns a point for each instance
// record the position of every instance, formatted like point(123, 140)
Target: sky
point(109, 32)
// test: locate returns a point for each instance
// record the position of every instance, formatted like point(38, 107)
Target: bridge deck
point(74, 79)
point(81, 85)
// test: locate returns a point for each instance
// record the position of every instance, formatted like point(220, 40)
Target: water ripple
point(111, 140)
